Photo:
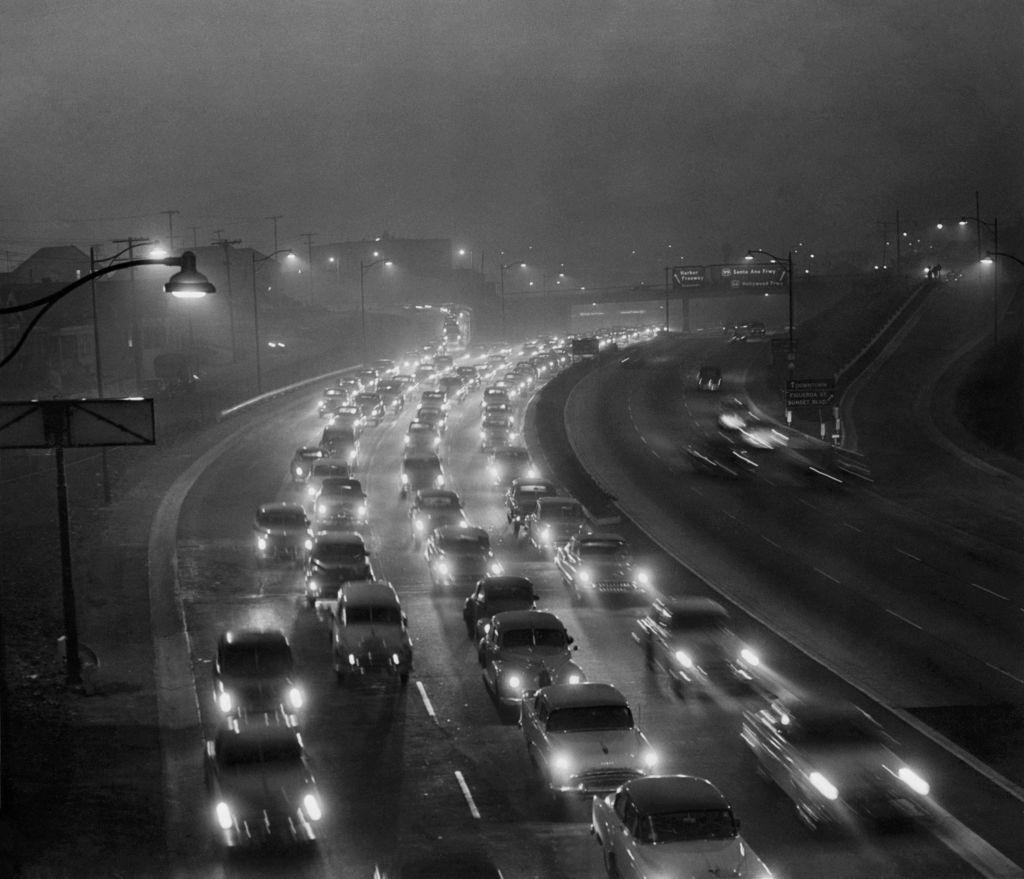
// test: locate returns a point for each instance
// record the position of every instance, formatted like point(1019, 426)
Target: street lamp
point(184, 284)
point(505, 266)
point(256, 311)
point(791, 356)
point(993, 227)
point(363, 266)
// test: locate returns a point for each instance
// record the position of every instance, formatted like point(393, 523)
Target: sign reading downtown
point(810, 392)
point(735, 277)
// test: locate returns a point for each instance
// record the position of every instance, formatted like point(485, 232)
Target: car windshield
point(464, 544)
point(688, 826)
point(384, 615)
point(696, 622)
point(516, 456)
point(590, 717)
point(235, 750)
point(323, 470)
point(339, 552)
point(282, 519)
point(604, 549)
point(264, 660)
point(527, 490)
point(561, 511)
point(534, 637)
point(438, 503)
point(829, 731)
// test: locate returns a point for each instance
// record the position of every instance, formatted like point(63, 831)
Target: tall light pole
point(993, 227)
point(791, 354)
point(505, 266)
point(256, 312)
point(363, 266)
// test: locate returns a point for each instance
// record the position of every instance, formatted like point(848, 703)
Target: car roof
point(683, 605)
point(431, 493)
point(374, 592)
point(558, 500)
point(602, 537)
point(534, 619)
point(348, 538)
point(421, 458)
point(467, 534)
point(280, 507)
point(582, 695)
point(666, 793)
point(252, 638)
point(520, 482)
point(506, 582)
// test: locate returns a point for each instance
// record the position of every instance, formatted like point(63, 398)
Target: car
point(369, 633)
point(279, 533)
point(493, 395)
point(835, 762)
point(521, 499)
point(324, 469)
point(672, 827)
point(424, 372)
point(581, 738)
point(760, 436)
point(347, 416)
point(470, 376)
point(422, 437)
point(384, 367)
point(599, 565)
point(370, 406)
point(259, 780)
point(553, 522)
point(443, 362)
point(340, 442)
point(333, 558)
point(343, 500)
point(434, 508)
point(329, 398)
point(459, 556)
point(733, 414)
point(510, 462)
point(302, 462)
point(496, 410)
point(453, 387)
point(420, 471)
point(522, 651)
point(253, 673)
point(709, 378)
point(350, 385)
point(496, 433)
point(434, 416)
point(492, 595)
point(392, 396)
point(689, 637)
point(367, 378)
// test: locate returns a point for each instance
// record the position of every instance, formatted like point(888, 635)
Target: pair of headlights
point(310, 806)
point(294, 700)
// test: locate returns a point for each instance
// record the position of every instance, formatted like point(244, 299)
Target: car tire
point(678, 689)
point(611, 867)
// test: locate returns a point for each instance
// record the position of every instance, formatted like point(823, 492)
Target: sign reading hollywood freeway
point(754, 275)
point(757, 276)
point(810, 392)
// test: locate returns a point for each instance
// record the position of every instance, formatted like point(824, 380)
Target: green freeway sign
point(810, 392)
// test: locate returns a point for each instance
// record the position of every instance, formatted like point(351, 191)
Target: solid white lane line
point(730, 515)
point(852, 527)
point(769, 540)
point(473, 810)
point(990, 591)
point(807, 503)
point(1003, 671)
point(901, 617)
point(825, 574)
point(426, 701)
point(909, 555)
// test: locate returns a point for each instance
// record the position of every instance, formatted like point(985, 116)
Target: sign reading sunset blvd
point(810, 392)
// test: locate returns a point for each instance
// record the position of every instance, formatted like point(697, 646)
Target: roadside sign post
point(60, 424)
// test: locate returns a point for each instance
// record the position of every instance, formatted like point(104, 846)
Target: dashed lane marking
point(426, 701)
point(473, 810)
point(990, 591)
point(772, 542)
point(909, 555)
point(826, 575)
point(901, 617)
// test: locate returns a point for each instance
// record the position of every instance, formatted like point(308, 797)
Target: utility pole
point(274, 220)
point(195, 237)
point(170, 229)
point(220, 241)
point(133, 308)
point(104, 464)
point(309, 236)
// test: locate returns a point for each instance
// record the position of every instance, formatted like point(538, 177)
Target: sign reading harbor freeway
point(758, 276)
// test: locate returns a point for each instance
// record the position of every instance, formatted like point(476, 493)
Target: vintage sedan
point(422, 437)
point(279, 533)
point(261, 786)
point(689, 637)
point(599, 566)
point(370, 633)
point(302, 462)
point(348, 416)
point(459, 556)
point(323, 469)
point(435, 508)
point(835, 762)
point(253, 673)
point(582, 739)
point(554, 522)
point(370, 406)
point(510, 462)
point(330, 398)
point(522, 496)
point(671, 827)
point(420, 470)
point(341, 498)
point(333, 558)
point(524, 650)
point(495, 433)
point(495, 595)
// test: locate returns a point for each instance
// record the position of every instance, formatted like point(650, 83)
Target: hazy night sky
point(586, 129)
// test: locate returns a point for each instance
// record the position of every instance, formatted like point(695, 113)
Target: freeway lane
point(387, 761)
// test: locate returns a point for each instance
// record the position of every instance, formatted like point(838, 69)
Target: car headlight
point(649, 758)
point(575, 678)
point(514, 681)
point(408, 440)
point(225, 820)
point(496, 568)
point(322, 509)
point(295, 699)
point(437, 441)
point(914, 781)
point(224, 701)
point(825, 787)
point(298, 471)
point(405, 479)
point(351, 659)
point(532, 473)
point(439, 481)
point(492, 472)
point(352, 455)
point(583, 576)
point(308, 544)
point(361, 510)
point(684, 659)
point(417, 524)
point(311, 805)
point(261, 542)
point(311, 491)
point(443, 568)
point(561, 763)
point(643, 578)
point(749, 657)
point(483, 434)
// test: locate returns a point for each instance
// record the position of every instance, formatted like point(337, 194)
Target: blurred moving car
point(459, 556)
point(369, 633)
point(524, 650)
point(302, 462)
point(494, 394)
point(495, 595)
point(599, 565)
point(434, 416)
point(671, 826)
point(330, 398)
point(689, 637)
point(335, 557)
point(709, 378)
point(510, 462)
point(554, 521)
point(347, 416)
point(435, 508)
point(262, 788)
point(279, 533)
point(341, 498)
point(835, 762)
point(496, 432)
point(582, 739)
point(521, 499)
point(420, 471)
point(253, 673)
